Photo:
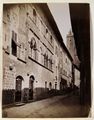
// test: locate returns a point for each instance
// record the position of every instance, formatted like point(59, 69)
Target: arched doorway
point(50, 86)
point(18, 88)
point(63, 84)
point(31, 81)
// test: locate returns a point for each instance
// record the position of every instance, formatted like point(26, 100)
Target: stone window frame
point(50, 62)
point(22, 46)
point(6, 46)
point(41, 55)
point(51, 39)
point(46, 59)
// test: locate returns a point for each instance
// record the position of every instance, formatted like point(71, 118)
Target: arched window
point(33, 46)
point(35, 51)
point(32, 43)
point(22, 51)
point(32, 78)
point(47, 33)
point(50, 62)
point(41, 55)
point(46, 59)
point(34, 16)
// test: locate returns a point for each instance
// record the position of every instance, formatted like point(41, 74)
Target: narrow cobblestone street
point(55, 107)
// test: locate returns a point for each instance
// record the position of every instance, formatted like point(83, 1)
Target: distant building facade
point(77, 77)
point(72, 48)
point(35, 61)
point(76, 63)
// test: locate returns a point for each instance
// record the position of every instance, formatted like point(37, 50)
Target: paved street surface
point(55, 107)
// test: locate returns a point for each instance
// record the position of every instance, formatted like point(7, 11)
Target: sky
point(61, 14)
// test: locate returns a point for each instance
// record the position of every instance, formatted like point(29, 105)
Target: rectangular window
point(14, 43)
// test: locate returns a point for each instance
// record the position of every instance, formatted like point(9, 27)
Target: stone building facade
point(35, 59)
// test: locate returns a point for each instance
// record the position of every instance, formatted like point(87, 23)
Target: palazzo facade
point(35, 59)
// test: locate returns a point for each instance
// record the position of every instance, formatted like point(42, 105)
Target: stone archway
point(31, 86)
point(18, 88)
